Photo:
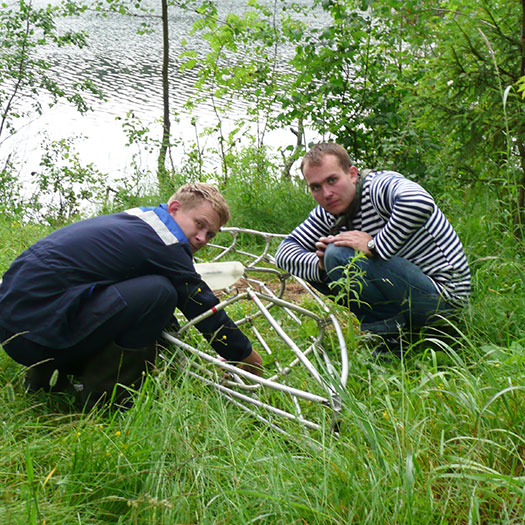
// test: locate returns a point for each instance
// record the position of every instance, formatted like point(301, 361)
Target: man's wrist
point(372, 247)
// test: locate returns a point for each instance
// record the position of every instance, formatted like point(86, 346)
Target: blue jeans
point(385, 295)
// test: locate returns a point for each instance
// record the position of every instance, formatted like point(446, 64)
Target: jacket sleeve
point(195, 298)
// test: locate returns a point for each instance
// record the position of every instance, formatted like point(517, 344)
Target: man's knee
point(337, 257)
point(164, 292)
point(151, 301)
point(331, 257)
point(148, 293)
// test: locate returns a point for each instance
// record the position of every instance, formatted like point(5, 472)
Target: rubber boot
point(106, 376)
point(41, 375)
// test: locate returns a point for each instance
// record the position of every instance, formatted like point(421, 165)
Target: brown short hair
point(317, 153)
point(192, 195)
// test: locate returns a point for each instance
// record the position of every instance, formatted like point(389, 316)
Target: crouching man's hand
point(253, 363)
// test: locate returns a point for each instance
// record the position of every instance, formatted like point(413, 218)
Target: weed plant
point(268, 204)
point(437, 437)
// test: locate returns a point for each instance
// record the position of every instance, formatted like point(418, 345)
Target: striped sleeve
point(296, 254)
point(406, 222)
point(408, 207)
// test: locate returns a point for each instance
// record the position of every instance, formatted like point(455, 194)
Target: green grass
point(436, 438)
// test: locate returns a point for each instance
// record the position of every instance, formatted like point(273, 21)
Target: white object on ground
point(219, 275)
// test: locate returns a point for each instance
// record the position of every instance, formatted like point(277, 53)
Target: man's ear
point(354, 172)
point(173, 206)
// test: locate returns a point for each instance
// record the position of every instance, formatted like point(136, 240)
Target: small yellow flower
point(199, 290)
point(224, 337)
point(386, 416)
point(117, 433)
point(79, 434)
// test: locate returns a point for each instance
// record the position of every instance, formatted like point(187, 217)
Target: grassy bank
point(438, 437)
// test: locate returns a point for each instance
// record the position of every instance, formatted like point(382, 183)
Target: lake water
point(127, 67)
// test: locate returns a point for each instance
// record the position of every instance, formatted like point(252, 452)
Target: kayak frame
point(328, 372)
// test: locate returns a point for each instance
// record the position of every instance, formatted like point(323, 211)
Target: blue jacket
point(44, 288)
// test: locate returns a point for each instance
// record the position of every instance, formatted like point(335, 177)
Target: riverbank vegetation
point(433, 90)
point(435, 437)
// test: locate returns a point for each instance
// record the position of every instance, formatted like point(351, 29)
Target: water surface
point(127, 67)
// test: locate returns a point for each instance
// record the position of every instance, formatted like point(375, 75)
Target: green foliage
point(64, 184)
point(521, 86)
point(131, 191)
point(420, 440)
point(411, 85)
point(497, 263)
point(467, 97)
point(347, 288)
point(16, 236)
point(264, 202)
point(23, 74)
point(428, 90)
point(11, 202)
point(435, 438)
point(243, 62)
point(348, 81)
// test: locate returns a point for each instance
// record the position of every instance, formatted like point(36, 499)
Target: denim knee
point(337, 256)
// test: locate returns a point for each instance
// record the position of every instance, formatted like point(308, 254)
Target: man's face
point(200, 223)
point(331, 186)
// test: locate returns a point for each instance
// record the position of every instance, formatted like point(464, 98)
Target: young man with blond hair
point(92, 298)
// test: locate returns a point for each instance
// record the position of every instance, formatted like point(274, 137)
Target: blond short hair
point(194, 194)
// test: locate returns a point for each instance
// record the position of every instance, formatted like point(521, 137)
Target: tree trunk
point(298, 149)
point(519, 218)
point(166, 124)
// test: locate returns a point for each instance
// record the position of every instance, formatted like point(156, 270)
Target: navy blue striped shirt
point(404, 220)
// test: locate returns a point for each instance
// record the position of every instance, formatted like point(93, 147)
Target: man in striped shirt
point(91, 298)
point(413, 266)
